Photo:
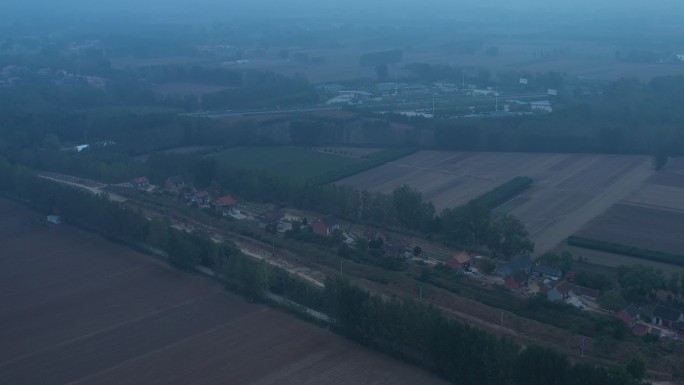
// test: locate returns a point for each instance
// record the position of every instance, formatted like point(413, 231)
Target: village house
point(665, 317)
point(198, 198)
point(371, 235)
point(515, 265)
point(269, 218)
point(547, 272)
point(565, 290)
point(325, 226)
point(517, 281)
point(140, 183)
point(395, 249)
point(224, 204)
point(459, 262)
point(629, 315)
point(174, 183)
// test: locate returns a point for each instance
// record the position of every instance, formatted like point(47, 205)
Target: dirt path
point(90, 186)
point(552, 235)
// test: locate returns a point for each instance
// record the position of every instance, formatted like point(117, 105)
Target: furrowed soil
point(80, 310)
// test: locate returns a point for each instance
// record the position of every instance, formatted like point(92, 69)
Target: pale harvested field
point(614, 260)
point(181, 88)
point(569, 190)
point(354, 152)
point(584, 59)
point(652, 217)
point(79, 310)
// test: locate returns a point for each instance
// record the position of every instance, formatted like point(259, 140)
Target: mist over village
point(360, 192)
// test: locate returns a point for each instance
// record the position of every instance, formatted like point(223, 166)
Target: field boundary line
point(104, 330)
point(165, 347)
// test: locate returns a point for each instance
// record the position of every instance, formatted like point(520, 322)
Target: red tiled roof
point(142, 179)
point(565, 288)
point(624, 317)
point(462, 257)
point(225, 201)
point(640, 329)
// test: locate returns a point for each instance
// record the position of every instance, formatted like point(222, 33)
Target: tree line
point(471, 226)
point(420, 334)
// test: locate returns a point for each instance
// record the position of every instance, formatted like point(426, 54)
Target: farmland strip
point(610, 247)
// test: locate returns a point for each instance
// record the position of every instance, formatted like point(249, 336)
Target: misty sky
point(391, 8)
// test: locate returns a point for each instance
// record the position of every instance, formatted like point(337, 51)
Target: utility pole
point(433, 104)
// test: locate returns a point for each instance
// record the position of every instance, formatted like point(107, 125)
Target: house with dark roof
point(267, 218)
point(395, 248)
point(174, 183)
point(516, 281)
point(547, 272)
point(459, 262)
point(200, 199)
point(326, 226)
point(224, 204)
point(515, 265)
point(666, 317)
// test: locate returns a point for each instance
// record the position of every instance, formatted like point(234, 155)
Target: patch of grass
point(289, 162)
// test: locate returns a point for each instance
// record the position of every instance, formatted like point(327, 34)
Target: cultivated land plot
point(77, 309)
point(651, 218)
point(568, 191)
point(186, 88)
point(289, 162)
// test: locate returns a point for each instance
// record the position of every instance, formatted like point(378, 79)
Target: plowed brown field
point(77, 309)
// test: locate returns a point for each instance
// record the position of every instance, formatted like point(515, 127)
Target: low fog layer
point(352, 8)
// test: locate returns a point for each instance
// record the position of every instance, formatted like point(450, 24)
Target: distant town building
point(542, 105)
point(55, 219)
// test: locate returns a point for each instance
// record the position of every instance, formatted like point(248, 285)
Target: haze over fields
point(479, 192)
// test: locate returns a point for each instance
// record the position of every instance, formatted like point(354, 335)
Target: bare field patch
point(643, 227)
point(196, 89)
point(568, 191)
point(78, 309)
point(603, 258)
point(652, 217)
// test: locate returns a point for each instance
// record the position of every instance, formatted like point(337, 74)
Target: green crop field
point(290, 162)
